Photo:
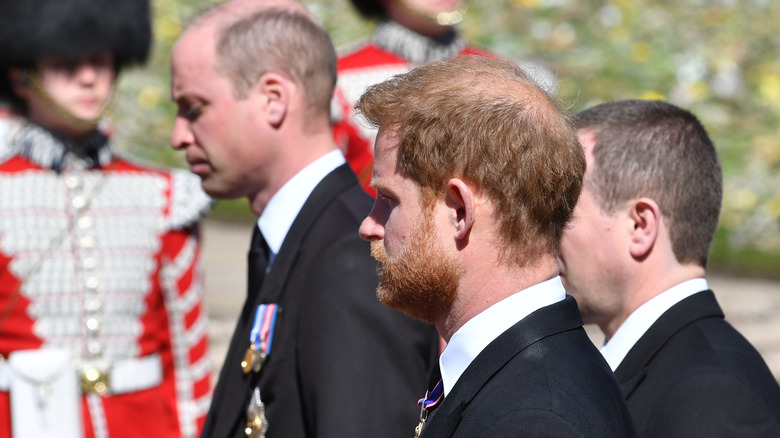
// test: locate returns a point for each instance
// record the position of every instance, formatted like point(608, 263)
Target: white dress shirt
point(284, 206)
point(640, 320)
point(478, 332)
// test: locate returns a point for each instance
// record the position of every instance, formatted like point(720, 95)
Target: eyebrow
point(377, 184)
point(384, 189)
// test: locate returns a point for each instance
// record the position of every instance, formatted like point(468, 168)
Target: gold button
point(93, 325)
point(95, 349)
point(92, 305)
point(94, 380)
point(85, 222)
point(73, 182)
point(92, 283)
point(90, 263)
point(87, 242)
point(79, 202)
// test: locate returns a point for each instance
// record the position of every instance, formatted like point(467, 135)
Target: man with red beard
point(477, 177)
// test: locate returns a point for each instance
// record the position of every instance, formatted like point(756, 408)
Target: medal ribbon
point(263, 327)
point(429, 401)
point(432, 399)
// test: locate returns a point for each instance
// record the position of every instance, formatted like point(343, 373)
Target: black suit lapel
point(257, 263)
point(231, 395)
point(628, 386)
point(228, 405)
point(544, 322)
point(336, 182)
point(632, 369)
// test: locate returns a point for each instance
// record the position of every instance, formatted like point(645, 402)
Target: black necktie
point(257, 262)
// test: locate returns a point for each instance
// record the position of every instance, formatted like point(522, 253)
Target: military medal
point(428, 402)
point(260, 338)
point(249, 359)
point(256, 423)
point(259, 358)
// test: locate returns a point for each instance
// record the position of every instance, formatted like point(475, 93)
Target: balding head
point(233, 10)
point(253, 37)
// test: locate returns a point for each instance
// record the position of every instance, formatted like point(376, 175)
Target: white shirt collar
point(640, 320)
point(284, 206)
point(478, 332)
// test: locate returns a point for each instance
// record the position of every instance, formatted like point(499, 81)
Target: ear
point(459, 198)
point(20, 82)
point(646, 217)
point(275, 94)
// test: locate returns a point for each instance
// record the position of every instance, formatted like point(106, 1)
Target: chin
point(217, 192)
point(91, 113)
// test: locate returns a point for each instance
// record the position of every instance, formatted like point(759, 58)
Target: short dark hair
point(485, 121)
point(657, 150)
point(370, 9)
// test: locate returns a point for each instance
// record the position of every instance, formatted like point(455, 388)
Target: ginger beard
point(422, 280)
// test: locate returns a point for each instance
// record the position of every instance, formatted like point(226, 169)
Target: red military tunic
point(102, 256)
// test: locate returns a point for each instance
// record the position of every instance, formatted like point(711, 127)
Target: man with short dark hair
point(314, 354)
point(635, 258)
point(477, 172)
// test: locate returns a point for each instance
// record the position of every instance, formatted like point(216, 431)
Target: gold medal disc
point(249, 360)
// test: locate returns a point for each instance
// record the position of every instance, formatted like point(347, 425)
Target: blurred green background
point(718, 58)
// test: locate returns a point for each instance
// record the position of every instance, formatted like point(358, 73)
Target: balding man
point(314, 354)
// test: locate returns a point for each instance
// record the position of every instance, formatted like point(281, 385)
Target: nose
point(371, 228)
point(181, 136)
point(88, 72)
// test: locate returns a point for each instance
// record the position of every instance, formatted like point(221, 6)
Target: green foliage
point(718, 58)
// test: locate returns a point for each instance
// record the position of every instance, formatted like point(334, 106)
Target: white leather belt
point(123, 376)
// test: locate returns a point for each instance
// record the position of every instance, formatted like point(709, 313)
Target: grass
point(744, 262)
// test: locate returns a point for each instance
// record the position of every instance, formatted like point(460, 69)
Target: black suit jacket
point(342, 364)
point(693, 375)
point(543, 377)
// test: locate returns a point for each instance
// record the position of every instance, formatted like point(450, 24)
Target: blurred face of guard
point(433, 7)
point(414, 13)
point(68, 97)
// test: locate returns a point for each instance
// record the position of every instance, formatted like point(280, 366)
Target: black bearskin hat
point(371, 9)
point(71, 29)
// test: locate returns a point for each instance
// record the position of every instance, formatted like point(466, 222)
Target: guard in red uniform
point(409, 33)
point(102, 324)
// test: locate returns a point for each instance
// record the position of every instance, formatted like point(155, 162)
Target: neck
point(647, 285)
point(488, 283)
point(294, 154)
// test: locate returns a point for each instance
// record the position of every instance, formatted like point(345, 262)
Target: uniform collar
point(417, 48)
point(59, 153)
